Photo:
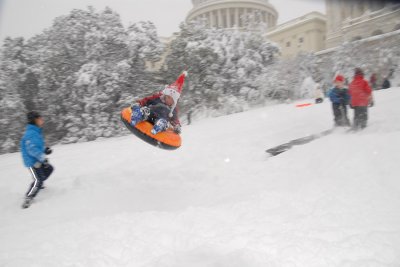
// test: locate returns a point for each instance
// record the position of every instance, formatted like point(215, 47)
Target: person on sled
point(161, 108)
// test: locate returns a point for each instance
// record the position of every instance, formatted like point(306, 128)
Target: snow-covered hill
point(219, 200)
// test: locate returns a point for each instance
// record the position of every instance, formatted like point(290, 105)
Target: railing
point(206, 3)
point(311, 15)
point(370, 15)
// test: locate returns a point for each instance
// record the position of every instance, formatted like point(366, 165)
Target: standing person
point(189, 116)
point(339, 97)
point(361, 97)
point(372, 80)
point(386, 83)
point(34, 155)
point(319, 96)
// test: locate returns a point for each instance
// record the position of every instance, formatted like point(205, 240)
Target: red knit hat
point(174, 90)
point(339, 78)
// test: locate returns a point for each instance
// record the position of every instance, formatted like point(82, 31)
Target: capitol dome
point(230, 13)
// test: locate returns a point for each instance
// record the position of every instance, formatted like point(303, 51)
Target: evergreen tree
point(223, 65)
point(13, 76)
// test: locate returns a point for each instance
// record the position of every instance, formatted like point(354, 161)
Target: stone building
point(231, 13)
point(304, 34)
point(355, 20)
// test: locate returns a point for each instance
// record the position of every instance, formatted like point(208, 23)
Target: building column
point(373, 6)
point(357, 9)
point(237, 17)
point(228, 18)
point(366, 6)
point(249, 14)
point(212, 19)
point(219, 18)
point(361, 9)
point(264, 17)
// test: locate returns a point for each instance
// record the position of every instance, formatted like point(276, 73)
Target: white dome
point(229, 13)
point(199, 2)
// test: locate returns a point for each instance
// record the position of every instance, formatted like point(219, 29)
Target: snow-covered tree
point(289, 79)
point(13, 77)
point(223, 65)
point(78, 73)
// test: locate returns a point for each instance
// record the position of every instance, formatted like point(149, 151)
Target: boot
point(159, 126)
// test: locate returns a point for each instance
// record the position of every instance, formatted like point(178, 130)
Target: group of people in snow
point(374, 81)
point(358, 96)
point(160, 109)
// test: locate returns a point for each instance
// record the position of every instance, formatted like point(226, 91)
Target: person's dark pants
point(340, 114)
point(159, 111)
point(360, 117)
point(39, 175)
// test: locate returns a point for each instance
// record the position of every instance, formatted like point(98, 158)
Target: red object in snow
point(339, 78)
point(360, 92)
point(303, 105)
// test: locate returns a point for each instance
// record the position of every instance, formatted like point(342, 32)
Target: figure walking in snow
point(34, 155)
point(361, 98)
point(160, 108)
point(189, 116)
point(319, 95)
point(373, 80)
point(386, 83)
point(339, 97)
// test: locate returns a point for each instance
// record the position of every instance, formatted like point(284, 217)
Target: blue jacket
point(32, 145)
point(339, 96)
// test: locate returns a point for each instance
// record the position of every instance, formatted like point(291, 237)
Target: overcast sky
point(29, 17)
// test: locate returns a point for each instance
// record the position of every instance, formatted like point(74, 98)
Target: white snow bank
point(218, 200)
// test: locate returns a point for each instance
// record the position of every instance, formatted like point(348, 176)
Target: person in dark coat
point(386, 83)
point(373, 80)
point(189, 116)
point(361, 97)
point(34, 153)
point(339, 97)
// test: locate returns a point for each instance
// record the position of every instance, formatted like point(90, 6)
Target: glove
point(39, 164)
point(146, 112)
point(177, 129)
point(371, 103)
point(48, 151)
point(45, 163)
point(135, 105)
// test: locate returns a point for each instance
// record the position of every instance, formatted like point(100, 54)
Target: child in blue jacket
point(34, 155)
point(340, 98)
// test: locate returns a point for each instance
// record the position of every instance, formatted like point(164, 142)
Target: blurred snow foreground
point(219, 200)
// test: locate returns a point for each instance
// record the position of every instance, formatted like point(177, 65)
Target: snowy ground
point(218, 200)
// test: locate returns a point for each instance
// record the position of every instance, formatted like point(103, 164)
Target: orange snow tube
point(168, 139)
